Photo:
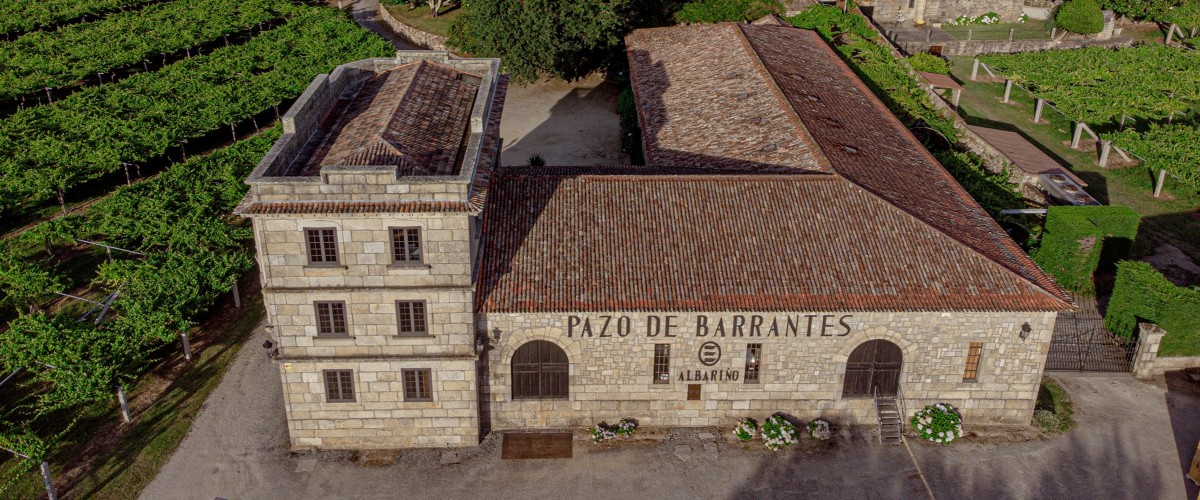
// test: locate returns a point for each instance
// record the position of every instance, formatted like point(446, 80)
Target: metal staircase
point(889, 410)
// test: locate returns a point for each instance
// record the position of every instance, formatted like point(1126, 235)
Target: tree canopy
point(566, 39)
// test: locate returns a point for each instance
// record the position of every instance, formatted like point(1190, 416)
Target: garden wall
point(422, 39)
point(977, 47)
point(1147, 362)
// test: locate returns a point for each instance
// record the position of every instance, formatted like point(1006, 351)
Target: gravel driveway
point(1131, 442)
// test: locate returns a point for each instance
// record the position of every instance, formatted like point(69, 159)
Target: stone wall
point(1147, 363)
point(976, 47)
point(802, 371)
point(898, 11)
point(365, 251)
point(417, 37)
point(380, 417)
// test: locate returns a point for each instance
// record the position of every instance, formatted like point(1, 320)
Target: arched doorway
point(873, 364)
point(539, 371)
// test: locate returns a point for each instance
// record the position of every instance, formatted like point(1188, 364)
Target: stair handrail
point(878, 416)
point(900, 407)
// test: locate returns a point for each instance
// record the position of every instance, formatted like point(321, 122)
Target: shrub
point(1080, 16)
point(537, 161)
point(929, 63)
point(603, 431)
point(939, 423)
point(778, 433)
point(819, 429)
point(1141, 293)
point(631, 131)
point(746, 429)
point(1053, 399)
point(1045, 419)
point(715, 11)
point(1075, 237)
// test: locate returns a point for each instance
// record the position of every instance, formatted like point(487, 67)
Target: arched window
point(873, 364)
point(539, 371)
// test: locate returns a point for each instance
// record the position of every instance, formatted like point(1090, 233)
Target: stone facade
point(1147, 363)
point(801, 373)
point(936, 11)
point(362, 205)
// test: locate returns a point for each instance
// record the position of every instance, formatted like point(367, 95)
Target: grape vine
point(60, 58)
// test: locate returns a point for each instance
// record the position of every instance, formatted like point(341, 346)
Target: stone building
point(790, 247)
point(907, 12)
point(365, 217)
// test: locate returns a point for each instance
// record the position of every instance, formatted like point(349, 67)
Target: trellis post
point(1105, 148)
point(1162, 177)
point(1037, 110)
point(1011, 32)
point(1007, 89)
point(1078, 134)
point(975, 69)
point(970, 33)
point(50, 493)
point(1170, 34)
point(124, 404)
point(187, 346)
point(957, 94)
point(237, 296)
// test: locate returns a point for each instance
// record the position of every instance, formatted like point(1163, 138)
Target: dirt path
point(1130, 443)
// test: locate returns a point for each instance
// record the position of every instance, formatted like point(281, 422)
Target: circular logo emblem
point(710, 353)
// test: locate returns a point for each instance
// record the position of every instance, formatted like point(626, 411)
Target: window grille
point(339, 386)
point(410, 316)
point(331, 319)
point(406, 244)
point(753, 362)
point(322, 246)
point(417, 385)
point(662, 363)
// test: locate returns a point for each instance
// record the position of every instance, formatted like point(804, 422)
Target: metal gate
point(1082, 343)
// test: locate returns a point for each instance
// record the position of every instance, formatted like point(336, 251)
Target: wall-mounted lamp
point(496, 333)
point(479, 345)
point(1025, 329)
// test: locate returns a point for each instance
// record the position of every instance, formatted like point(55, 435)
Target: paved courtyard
point(1134, 440)
point(568, 123)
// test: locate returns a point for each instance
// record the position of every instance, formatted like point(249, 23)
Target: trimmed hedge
point(1080, 16)
point(1142, 293)
point(1074, 239)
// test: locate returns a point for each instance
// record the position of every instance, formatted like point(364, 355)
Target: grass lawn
point(122, 462)
point(1053, 398)
point(419, 18)
point(1175, 219)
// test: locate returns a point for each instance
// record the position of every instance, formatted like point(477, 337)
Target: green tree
point(566, 39)
point(1080, 16)
point(715, 11)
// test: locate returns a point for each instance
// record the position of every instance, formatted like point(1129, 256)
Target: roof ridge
point(801, 128)
point(974, 211)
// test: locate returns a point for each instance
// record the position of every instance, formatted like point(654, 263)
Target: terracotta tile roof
point(348, 207)
point(489, 149)
point(414, 115)
point(874, 223)
point(704, 99)
point(629, 239)
point(1023, 153)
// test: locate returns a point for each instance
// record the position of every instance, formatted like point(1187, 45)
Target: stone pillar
point(1151, 336)
point(1110, 24)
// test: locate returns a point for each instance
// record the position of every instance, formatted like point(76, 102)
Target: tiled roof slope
point(852, 131)
point(489, 150)
point(703, 99)
point(629, 239)
point(414, 115)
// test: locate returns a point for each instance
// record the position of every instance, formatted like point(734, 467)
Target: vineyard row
point(49, 149)
point(61, 58)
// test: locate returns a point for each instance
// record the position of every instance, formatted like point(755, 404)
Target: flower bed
point(819, 429)
point(746, 429)
point(603, 431)
point(940, 423)
point(778, 433)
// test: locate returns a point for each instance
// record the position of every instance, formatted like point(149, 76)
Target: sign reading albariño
point(752, 325)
